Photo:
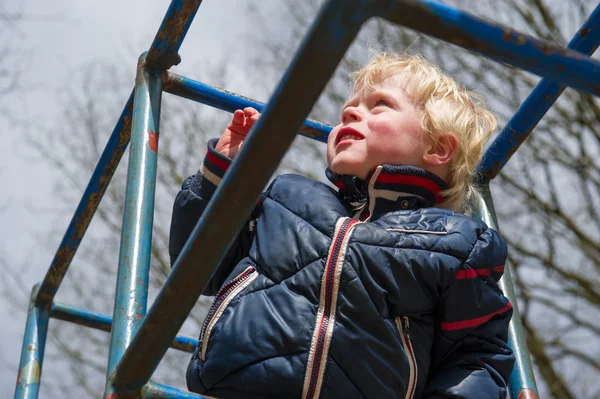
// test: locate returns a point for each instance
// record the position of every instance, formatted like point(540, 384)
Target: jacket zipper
point(325, 320)
point(225, 294)
point(404, 328)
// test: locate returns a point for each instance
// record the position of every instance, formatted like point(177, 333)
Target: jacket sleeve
point(190, 202)
point(470, 357)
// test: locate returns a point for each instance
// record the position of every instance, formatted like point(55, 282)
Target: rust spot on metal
point(174, 24)
point(65, 255)
point(185, 347)
point(527, 394)
point(512, 37)
point(313, 133)
point(30, 373)
point(169, 36)
point(584, 32)
point(116, 395)
point(153, 140)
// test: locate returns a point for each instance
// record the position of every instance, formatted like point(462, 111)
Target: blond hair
point(447, 107)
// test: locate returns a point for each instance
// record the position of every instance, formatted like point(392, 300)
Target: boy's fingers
point(238, 118)
point(250, 111)
point(252, 119)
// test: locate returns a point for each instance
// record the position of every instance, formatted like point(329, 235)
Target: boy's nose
point(350, 114)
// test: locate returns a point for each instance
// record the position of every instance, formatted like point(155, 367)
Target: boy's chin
point(347, 170)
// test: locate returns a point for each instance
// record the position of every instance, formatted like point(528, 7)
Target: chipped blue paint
point(109, 160)
point(163, 52)
point(32, 351)
point(136, 236)
point(497, 42)
point(534, 108)
point(158, 391)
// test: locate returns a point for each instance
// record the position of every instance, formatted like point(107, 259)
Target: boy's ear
point(442, 151)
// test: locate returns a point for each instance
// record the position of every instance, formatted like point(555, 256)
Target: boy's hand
point(234, 135)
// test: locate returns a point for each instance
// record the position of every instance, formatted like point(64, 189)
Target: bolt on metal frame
point(139, 338)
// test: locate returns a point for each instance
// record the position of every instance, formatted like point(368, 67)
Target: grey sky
point(63, 36)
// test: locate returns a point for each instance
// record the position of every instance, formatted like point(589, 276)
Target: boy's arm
point(197, 190)
point(470, 357)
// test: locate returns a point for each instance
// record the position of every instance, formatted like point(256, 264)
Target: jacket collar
point(389, 188)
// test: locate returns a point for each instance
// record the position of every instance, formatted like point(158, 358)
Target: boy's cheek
point(329, 159)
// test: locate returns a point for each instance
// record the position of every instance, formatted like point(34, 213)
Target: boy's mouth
point(347, 133)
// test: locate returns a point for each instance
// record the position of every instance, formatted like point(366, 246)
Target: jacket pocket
point(404, 328)
point(225, 295)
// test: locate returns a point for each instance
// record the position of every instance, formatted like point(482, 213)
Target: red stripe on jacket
point(472, 273)
point(459, 325)
point(422, 182)
point(219, 163)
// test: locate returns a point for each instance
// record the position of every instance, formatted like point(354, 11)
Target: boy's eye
point(382, 103)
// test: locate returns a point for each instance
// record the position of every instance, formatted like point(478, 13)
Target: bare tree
point(12, 52)
point(546, 196)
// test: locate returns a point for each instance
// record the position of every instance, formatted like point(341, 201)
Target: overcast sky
point(59, 37)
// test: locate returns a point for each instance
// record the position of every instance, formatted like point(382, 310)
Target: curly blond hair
point(447, 107)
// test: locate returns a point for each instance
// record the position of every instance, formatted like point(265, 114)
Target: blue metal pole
point(109, 160)
point(136, 237)
point(227, 101)
point(522, 381)
point(32, 352)
point(334, 29)
point(163, 52)
point(500, 43)
point(536, 105)
point(104, 323)
point(158, 391)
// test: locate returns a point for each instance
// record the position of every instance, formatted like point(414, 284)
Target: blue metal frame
point(164, 50)
point(136, 239)
point(32, 352)
point(136, 344)
point(536, 105)
point(227, 101)
point(522, 382)
point(102, 322)
point(109, 160)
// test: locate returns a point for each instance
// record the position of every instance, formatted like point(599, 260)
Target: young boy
point(378, 290)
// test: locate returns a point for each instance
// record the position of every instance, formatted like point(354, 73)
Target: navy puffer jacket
point(369, 292)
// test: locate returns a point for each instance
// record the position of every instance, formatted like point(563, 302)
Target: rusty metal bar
point(334, 29)
point(164, 51)
point(102, 322)
point(158, 391)
point(136, 237)
point(497, 42)
point(109, 160)
point(32, 352)
point(534, 108)
point(522, 381)
point(227, 101)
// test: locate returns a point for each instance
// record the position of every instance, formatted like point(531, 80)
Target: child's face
point(380, 126)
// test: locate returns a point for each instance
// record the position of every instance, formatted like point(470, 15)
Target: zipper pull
point(406, 328)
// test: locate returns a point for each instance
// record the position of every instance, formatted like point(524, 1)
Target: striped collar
point(389, 188)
